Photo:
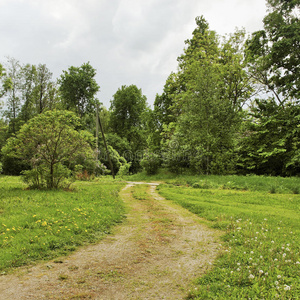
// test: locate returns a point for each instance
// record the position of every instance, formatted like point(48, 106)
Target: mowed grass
point(235, 182)
point(260, 256)
point(42, 225)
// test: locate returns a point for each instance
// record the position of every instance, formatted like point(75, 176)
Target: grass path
point(155, 254)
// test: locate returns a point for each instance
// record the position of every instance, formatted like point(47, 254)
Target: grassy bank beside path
point(41, 225)
point(261, 256)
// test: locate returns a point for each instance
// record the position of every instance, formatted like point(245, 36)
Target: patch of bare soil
point(155, 254)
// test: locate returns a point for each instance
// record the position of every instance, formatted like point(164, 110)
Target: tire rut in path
point(154, 254)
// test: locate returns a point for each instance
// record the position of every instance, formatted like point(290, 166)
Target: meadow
point(42, 225)
point(260, 247)
point(260, 256)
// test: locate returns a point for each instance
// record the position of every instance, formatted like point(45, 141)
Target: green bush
point(0, 167)
point(151, 162)
point(124, 169)
point(40, 178)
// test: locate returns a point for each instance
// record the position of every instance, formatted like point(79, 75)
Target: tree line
point(232, 107)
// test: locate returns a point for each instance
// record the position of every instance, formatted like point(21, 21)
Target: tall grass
point(39, 225)
point(260, 256)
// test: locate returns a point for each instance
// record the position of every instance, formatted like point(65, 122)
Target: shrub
point(39, 177)
point(151, 162)
point(49, 142)
point(124, 169)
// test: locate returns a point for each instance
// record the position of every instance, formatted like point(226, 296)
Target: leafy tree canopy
point(78, 88)
point(274, 51)
point(50, 143)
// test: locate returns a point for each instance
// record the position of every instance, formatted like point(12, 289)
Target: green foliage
point(50, 143)
point(120, 144)
point(271, 139)
point(43, 225)
point(78, 88)
point(12, 165)
point(273, 52)
point(31, 91)
point(151, 162)
point(38, 91)
point(124, 169)
point(5, 82)
point(259, 256)
point(1, 168)
point(13, 96)
point(40, 178)
point(206, 97)
point(120, 164)
point(127, 108)
point(128, 119)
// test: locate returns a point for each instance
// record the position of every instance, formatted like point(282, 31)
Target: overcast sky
point(127, 41)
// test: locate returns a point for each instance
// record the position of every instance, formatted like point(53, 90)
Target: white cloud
point(127, 41)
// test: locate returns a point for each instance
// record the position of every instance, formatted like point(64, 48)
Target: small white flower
point(251, 276)
point(284, 254)
point(272, 242)
point(275, 259)
point(261, 271)
point(278, 276)
point(238, 269)
point(251, 252)
point(298, 263)
point(276, 282)
point(261, 257)
point(287, 287)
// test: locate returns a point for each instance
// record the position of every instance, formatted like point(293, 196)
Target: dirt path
point(154, 254)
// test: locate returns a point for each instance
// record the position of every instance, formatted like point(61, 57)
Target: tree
point(13, 97)
point(271, 141)
point(207, 94)
point(6, 83)
point(128, 120)
point(3, 133)
point(78, 88)
point(273, 53)
point(207, 126)
point(29, 74)
point(50, 143)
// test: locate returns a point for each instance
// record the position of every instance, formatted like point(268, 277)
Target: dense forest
point(232, 107)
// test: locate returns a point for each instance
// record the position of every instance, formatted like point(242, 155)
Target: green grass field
point(261, 242)
point(42, 225)
point(260, 256)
